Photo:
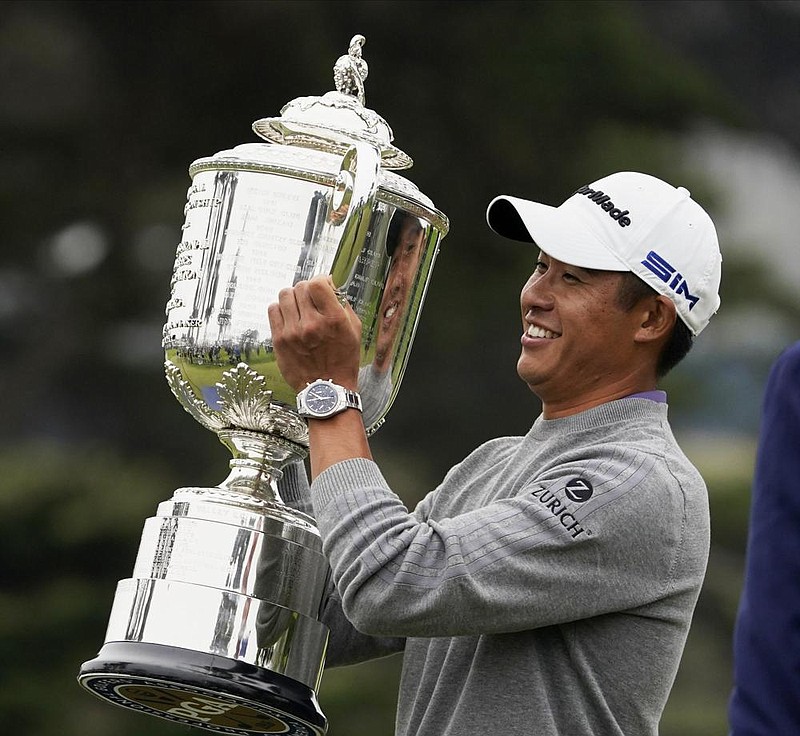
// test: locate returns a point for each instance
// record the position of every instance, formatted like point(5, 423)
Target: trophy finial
point(350, 70)
point(339, 118)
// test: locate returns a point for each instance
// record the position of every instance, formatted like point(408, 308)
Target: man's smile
point(389, 312)
point(536, 331)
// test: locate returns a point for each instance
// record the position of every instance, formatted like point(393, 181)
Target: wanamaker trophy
point(219, 625)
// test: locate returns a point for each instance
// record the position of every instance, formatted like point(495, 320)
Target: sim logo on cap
point(670, 276)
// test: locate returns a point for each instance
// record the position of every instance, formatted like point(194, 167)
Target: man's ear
point(658, 315)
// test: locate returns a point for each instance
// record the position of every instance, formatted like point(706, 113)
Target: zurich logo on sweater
point(578, 490)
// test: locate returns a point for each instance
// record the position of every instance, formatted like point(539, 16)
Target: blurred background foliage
point(105, 104)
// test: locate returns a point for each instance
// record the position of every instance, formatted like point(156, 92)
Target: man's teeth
point(389, 313)
point(534, 331)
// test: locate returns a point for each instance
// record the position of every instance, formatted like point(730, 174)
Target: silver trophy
point(219, 625)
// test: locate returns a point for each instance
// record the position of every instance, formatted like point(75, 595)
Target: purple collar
point(660, 397)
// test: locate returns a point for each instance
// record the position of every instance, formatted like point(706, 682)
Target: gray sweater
point(545, 588)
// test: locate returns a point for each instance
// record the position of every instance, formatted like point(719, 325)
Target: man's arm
point(507, 566)
point(346, 645)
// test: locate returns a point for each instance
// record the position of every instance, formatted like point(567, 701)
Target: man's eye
point(540, 266)
point(571, 277)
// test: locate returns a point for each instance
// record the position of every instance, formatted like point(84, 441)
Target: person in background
point(766, 646)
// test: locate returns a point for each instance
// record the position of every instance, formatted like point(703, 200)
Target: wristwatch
point(321, 399)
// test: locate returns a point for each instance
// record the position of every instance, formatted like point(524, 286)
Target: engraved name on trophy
point(219, 625)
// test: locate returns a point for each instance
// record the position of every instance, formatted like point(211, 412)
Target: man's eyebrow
point(596, 271)
point(584, 269)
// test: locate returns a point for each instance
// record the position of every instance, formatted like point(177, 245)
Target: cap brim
point(562, 235)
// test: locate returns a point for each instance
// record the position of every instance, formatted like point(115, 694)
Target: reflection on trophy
point(219, 626)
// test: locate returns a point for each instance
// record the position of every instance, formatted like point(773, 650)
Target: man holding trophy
point(547, 585)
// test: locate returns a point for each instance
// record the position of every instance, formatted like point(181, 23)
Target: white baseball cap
point(627, 222)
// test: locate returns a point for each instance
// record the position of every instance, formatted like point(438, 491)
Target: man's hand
point(314, 336)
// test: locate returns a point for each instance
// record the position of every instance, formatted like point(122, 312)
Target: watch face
point(321, 398)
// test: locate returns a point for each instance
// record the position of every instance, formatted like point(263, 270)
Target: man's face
point(577, 342)
point(399, 281)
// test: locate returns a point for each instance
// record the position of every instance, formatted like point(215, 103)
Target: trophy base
point(202, 690)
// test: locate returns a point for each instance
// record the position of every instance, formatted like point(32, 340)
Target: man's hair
point(632, 289)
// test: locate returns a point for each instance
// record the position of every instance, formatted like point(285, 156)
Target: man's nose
point(537, 292)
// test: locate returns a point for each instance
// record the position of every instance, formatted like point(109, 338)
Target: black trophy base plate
point(202, 690)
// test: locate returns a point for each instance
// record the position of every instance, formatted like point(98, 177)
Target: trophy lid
point(332, 122)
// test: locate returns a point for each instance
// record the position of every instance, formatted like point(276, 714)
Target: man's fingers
point(323, 295)
point(289, 308)
point(310, 310)
point(304, 300)
point(275, 318)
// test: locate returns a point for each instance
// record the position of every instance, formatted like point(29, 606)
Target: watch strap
point(352, 399)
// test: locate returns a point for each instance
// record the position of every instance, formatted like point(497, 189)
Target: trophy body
point(219, 626)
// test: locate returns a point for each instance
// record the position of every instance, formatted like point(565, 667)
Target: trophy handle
point(351, 205)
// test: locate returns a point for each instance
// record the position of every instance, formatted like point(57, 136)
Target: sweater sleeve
point(516, 563)
point(294, 489)
point(765, 699)
point(346, 644)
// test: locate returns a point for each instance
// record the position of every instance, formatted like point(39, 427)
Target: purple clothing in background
point(766, 694)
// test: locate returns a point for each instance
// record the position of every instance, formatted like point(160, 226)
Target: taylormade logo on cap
point(627, 222)
point(602, 199)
